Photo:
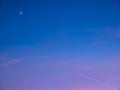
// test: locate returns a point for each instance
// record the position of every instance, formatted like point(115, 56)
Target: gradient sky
point(60, 45)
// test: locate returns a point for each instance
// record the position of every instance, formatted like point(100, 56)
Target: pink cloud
point(92, 87)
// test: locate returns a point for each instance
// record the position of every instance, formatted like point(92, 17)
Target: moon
point(20, 12)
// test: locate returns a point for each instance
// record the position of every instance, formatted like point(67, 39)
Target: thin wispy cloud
point(14, 61)
point(9, 61)
point(37, 56)
point(95, 72)
point(27, 80)
point(118, 33)
point(85, 76)
point(106, 31)
point(3, 57)
point(95, 43)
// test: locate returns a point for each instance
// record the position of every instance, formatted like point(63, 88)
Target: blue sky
point(60, 45)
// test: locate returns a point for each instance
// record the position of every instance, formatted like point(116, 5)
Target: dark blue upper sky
point(42, 20)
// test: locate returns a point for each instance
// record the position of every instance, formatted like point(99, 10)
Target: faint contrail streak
point(92, 78)
point(87, 77)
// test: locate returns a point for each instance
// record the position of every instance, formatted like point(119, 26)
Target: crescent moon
point(21, 12)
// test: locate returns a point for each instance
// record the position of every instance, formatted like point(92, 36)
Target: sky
point(60, 45)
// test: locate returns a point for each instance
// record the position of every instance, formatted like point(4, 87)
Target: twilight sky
point(60, 45)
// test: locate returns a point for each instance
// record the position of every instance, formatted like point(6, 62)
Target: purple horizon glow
point(98, 75)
